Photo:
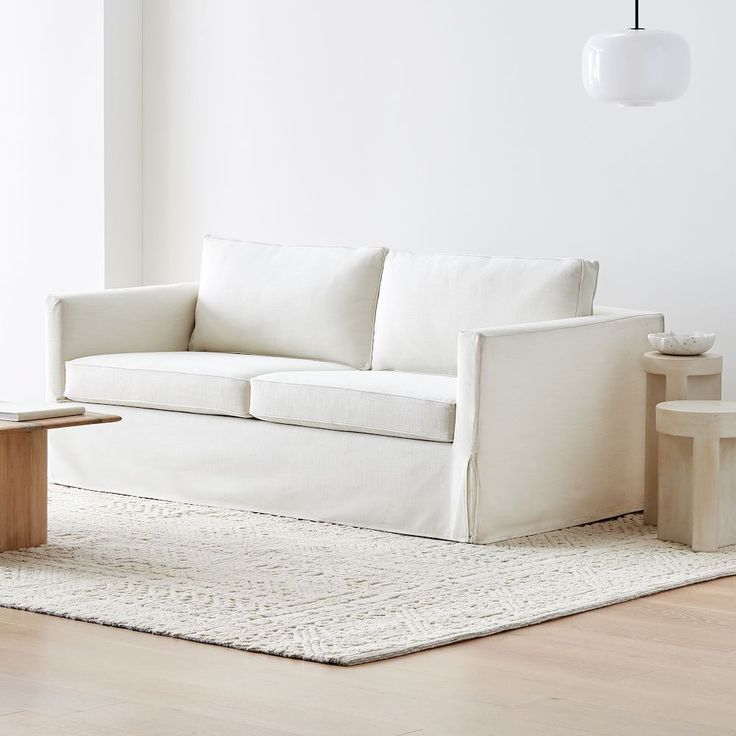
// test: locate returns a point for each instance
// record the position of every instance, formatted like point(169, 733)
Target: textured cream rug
point(324, 592)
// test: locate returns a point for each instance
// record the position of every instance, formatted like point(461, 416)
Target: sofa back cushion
point(426, 300)
point(294, 301)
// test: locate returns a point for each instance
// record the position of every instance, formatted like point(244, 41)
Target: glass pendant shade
point(636, 67)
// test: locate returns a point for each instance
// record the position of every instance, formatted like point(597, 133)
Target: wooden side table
point(697, 473)
point(673, 378)
point(24, 478)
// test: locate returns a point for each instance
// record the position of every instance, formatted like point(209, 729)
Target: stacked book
point(28, 411)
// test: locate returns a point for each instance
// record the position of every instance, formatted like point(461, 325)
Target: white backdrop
point(70, 174)
point(51, 173)
point(453, 125)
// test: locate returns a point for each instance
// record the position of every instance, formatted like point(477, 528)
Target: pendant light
point(636, 67)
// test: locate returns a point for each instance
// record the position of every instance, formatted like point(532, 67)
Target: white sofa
point(458, 397)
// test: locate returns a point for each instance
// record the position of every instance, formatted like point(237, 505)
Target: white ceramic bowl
point(686, 343)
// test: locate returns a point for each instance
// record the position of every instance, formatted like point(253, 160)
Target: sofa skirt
point(387, 483)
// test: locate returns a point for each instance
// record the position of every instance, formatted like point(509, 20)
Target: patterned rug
point(324, 592)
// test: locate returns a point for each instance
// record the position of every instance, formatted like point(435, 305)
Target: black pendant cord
point(636, 27)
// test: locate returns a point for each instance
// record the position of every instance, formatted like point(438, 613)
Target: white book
point(27, 411)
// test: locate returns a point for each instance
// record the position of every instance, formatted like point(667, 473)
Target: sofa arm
point(139, 319)
point(550, 424)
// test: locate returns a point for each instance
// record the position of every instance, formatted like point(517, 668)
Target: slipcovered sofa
point(459, 397)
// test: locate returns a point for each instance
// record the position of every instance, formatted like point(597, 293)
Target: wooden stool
point(697, 473)
point(673, 378)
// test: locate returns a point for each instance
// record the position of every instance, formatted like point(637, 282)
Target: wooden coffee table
point(24, 477)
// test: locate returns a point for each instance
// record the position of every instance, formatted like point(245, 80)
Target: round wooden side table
point(673, 378)
point(697, 473)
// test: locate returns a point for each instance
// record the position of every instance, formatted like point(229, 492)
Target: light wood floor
point(664, 665)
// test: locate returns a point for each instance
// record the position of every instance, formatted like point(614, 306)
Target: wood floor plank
point(664, 664)
point(612, 720)
point(51, 698)
point(28, 723)
point(656, 619)
point(153, 720)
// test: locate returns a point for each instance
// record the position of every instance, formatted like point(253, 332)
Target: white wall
point(123, 46)
point(458, 125)
point(51, 176)
point(70, 175)
point(452, 125)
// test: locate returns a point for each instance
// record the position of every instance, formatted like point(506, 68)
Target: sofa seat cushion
point(412, 405)
point(202, 383)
